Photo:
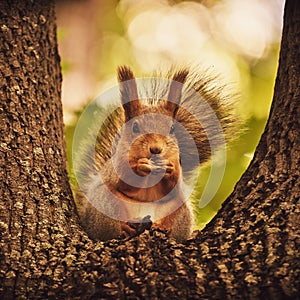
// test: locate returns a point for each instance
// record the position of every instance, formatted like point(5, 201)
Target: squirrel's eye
point(135, 127)
point(172, 129)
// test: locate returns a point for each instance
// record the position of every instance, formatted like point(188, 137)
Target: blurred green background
point(238, 39)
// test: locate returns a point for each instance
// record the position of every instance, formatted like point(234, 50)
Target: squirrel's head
point(147, 138)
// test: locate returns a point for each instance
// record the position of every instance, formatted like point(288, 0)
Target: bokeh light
point(238, 39)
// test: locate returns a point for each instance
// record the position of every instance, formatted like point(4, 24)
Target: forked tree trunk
point(250, 250)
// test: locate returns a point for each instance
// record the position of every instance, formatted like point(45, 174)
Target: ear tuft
point(124, 73)
point(128, 91)
point(174, 96)
point(181, 75)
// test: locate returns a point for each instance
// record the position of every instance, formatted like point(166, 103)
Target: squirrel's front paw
point(143, 167)
point(147, 166)
point(127, 230)
point(135, 227)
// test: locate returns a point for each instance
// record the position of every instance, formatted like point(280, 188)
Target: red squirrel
point(145, 151)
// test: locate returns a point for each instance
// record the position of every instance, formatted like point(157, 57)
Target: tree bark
point(250, 250)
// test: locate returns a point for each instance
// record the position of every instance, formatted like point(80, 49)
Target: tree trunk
point(250, 250)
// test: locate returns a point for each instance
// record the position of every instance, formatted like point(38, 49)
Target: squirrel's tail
point(207, 113)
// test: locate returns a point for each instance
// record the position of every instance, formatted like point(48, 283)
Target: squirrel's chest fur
point(156, 201)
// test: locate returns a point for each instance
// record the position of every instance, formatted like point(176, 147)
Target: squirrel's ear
point(176, 85)
point(129, 93)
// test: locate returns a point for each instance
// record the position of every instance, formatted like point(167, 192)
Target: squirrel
point(147, 150)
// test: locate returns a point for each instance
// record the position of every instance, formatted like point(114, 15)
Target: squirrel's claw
point(127, 230)
point(132, 228)
point(146, 166)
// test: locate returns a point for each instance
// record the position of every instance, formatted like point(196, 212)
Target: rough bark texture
point(250, 250)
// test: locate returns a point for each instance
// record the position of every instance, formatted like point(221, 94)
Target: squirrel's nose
point(155, 149)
